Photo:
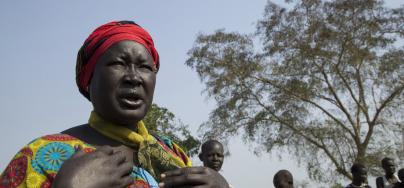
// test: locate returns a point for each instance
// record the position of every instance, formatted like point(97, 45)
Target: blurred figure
point(212, 154)
point(283, 179)
point(360, 176)
point(401, 177)
point(389, 179)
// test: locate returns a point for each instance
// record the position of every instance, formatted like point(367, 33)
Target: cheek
point(150, 85)
point(104, 85)
point(149, 77)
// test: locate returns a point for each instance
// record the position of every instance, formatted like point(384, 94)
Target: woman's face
point(122, 85)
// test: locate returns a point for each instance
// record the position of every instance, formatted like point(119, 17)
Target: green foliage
point(338, 185)
point(327, 85)
point(161, 120)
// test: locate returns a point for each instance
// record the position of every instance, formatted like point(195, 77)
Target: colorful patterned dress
point(37, 164)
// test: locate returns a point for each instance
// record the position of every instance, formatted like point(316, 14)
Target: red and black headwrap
point(100, 40)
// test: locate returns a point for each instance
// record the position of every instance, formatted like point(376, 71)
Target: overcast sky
point(38, 48)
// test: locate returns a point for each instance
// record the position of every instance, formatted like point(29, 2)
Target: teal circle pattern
point(52, 155)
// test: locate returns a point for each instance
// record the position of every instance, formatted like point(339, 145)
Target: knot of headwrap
point(100, 40)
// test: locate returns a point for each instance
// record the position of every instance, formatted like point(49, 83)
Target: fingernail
point(161, 184)
point(163, 175)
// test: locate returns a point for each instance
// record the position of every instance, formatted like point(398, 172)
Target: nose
point(132, 75)
point(215, 157)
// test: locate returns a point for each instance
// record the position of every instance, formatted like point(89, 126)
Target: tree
point(327, 85)
point(160, 119)
point(301, 184)
point(338, 185)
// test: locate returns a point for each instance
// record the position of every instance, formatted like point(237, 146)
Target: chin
point(133, 116)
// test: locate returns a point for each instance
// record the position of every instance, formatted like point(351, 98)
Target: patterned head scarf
point(100, 40)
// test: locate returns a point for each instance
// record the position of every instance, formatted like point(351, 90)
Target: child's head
point(212, 154)
point(283, 179)
point(359, 173)
point(388, 165)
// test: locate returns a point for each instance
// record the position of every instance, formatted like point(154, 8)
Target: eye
point(116, 63)
point(146, 67)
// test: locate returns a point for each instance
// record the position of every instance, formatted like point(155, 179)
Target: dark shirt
point(399, 185)
point(355, 186)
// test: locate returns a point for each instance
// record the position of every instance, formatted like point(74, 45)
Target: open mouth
point(131, 100)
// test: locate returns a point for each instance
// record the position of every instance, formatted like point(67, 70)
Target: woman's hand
point(193, 177)
point(98, 169)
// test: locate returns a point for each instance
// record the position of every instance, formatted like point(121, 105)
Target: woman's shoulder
point(58, 138)
point(53, 144)
point(39, 161)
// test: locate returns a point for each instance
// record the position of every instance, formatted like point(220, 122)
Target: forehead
point(126, 48)
point(283, 176)
point(214, 146)
point(389, 162)
point(362, 170)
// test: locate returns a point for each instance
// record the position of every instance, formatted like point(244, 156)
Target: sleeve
point(20, 173)
point(37, 164)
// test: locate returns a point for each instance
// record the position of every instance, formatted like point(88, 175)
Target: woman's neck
point(133, 127)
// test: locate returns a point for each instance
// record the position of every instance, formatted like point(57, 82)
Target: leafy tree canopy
point(161, 120)
point(325, 83)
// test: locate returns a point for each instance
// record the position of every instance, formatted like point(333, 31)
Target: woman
point(116, 70)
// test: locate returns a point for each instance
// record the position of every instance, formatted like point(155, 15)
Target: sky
point(38, 48)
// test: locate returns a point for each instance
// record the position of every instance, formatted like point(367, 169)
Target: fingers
point(182, 171)
point(199, 186)
point(184, 180)
point(121, 165)
point(106, 150)
point(118, 158)
point(125, 169)
point(184, 177)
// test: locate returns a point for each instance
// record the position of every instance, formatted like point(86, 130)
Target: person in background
point(389, 179)
point(283, 179)
point(359, 176)
point(212, 154)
